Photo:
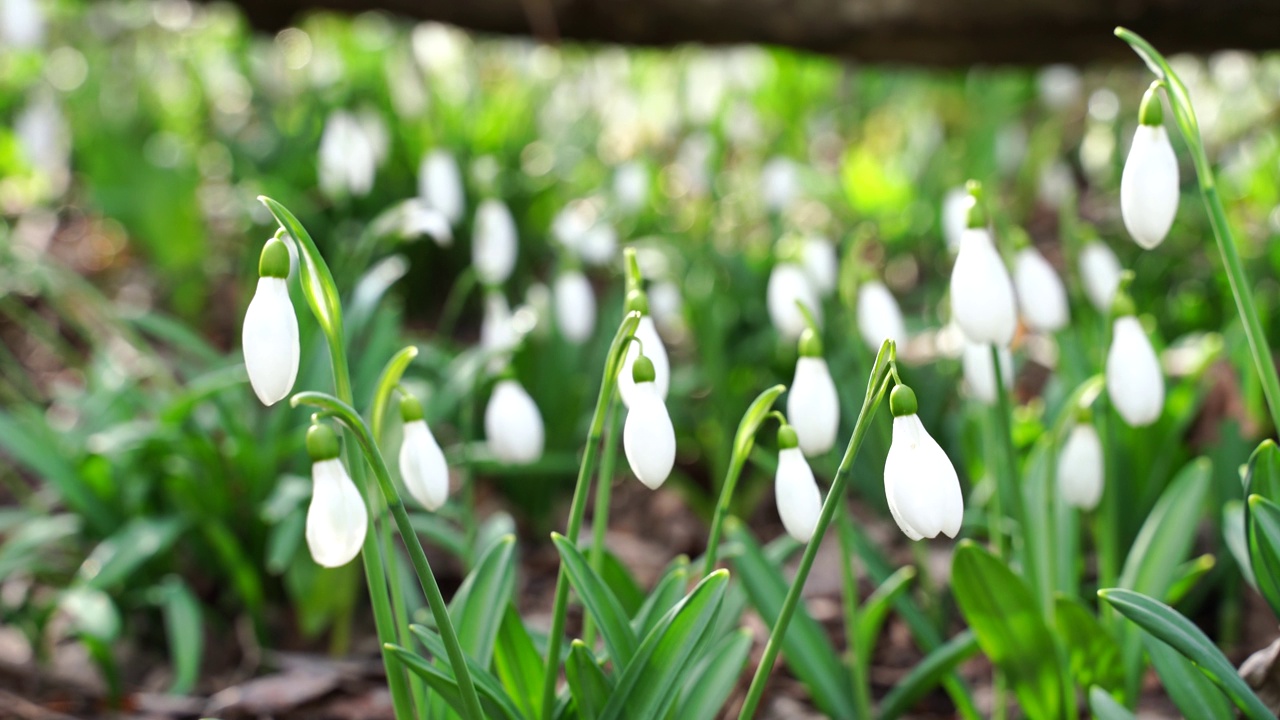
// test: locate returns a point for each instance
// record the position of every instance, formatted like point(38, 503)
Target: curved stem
point(578, 508)
point(877, 385)
point(743, 441)
point(1185, 115)
point(435, 599)
point(600, 516)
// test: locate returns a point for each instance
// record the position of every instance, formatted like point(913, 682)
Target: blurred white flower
point(982, 299)
point(979, 371)
point(571, 223)
point(575, 303)
point(1080, 468)
point(348, 160)
point(44, 139)
point(814, 406)
point(599, 244)
point(796, 492)
point(422, 464)
point(648, 438)
point(496, 332)
point(920, 483)
point(440, 184)
point(494, 243)
point(21, 23)
point(818, 255)
point(789, 283)
point(1149, 186)
point(656, 351)
point(1100, 271)
point(779, 183)
point(1135, 381)
point(955, 209)
point(1060, 86)
point(419, 219)
point(1041, 295)
point(879, 317)
point(512, 424)
point(631, 186)
point(667, 307)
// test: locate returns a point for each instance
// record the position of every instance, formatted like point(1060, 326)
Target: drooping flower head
point(879, 317)
point(790, 285)
point(982, 300)
point(647, 334)
point(1100, 273)
point(422, 465)
point(1135, 381)
point(512, 424)
point(440, 184)
point(648, 438)
point(575, 305)
point(336, 518)
point(1042, 297)
point(1149, 183)
point(1080, 466)
point(270, 333)
point(795, 491)
point(812, 403)
point(495, 243)
point(920, 483)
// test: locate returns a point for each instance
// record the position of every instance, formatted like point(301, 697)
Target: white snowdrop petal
point(821, 263)
point(1080, 468)
point(921, 483)
point(813, 406)
point(879, 317)
point(1149, 186)
point(789, 283)
point(1135, 381)
point(512, 424)
point(1100, 270)
point(575, 306)
point(496, 331)
point(955, 211)
point(270, 341)
point(982, 300)
point(423, 467)
point(1041, 295)
point(656, 351)
point(22, 23)
point(796, 492)
point(779, 183)
point(495, 242)
point(979, 371)
point(648, 438)
point(440, 184)
point(336, 518)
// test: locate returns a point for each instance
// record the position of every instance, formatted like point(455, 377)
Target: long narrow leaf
point(709, 685)
point(588, 684)
point(927, 674)
point(599, 601)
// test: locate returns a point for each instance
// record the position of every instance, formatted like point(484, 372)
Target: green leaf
point(1263, 520)
point(756, 413)
point(30, 443)
point(317, 282)
point(1105, 707)
point(619, 579)
point(651, 681)
point(665, 595)
point(806, 647)
point(116, 558)
point(517, 663)
point(1164, 623)
point(1263, 480)
point(876, 609)
point(588, 684)
point(388, 381)
point(1093, 656)
point(599, 602)
point(710, 684)
point(23, 547)
point(1237, 538)
point(184, 628)
point(496, 703)
point(1194, 694)
point(483, 596)
point(1189, 573)
point(1004, 616)
point(927, 674)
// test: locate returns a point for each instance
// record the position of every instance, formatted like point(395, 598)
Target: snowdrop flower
point(779, 183)
point(979, 371)
point(440, 184)
point(648, 437)
point(654, 350)
point(270, 333)
point(1149, 184)
point(422, 464)
point(1080, 467)
point(920, 483)
point(599, 244)
point(789, 284)
point(336, 518)
point(819, 257)
point(21, 23)
point(348, 159)
point(795, 490)
point(494, 244)
point(631, 185)
point(1100, 271)
point(812, 404)
point(1041, 295)
point(879, 317)
point(575, 303)
point(955, 216)
point(512, 424)
point(982, 300)
point(1135, 381)
point(496, 331)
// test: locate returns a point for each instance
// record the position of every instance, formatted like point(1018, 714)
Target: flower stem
point(600, 517)
point(1008, 458)
point(858, 669)
point(877, 385)
point(578, 508)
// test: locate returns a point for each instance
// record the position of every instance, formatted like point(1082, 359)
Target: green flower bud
point(410, 408)
point(322, 443)
point(810, 344)
point(902, 401)
point(1151, 112)
point(787, 438)
point(274, 261)
point(642, 370)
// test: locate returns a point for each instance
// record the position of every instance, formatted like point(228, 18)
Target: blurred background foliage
point(139, 471)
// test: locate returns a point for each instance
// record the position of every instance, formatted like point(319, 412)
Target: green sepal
point(810, 344)
point(274, 260)
point(322, 443)
point(787, 438)
point(976, 214)
point(410, 408)
point(902, 401)
point(1122, 304)
point(642, 370)
point(637, 301)
point(1151, 112)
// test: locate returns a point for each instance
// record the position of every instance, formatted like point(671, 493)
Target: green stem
point(578, 508)
point(470, 521)
point(877, 385)
point(1185, 114)
point(857, 656)
point(600, 517)
point(1008, 457)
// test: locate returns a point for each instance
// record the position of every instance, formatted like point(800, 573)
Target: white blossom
point(336, 519)
point(648, 438)
point(494, 243)
point(921, 484)
point(789, 283)
point(982, 300)
point(631, 185)
point(348, 158)
point(1100, 271)
point(813, 406)
point(818, 254)
point(1149, 186)
point(422, 465)
point(879, 317)
point(1041, 295)
point(270, 341)
point(797, 495)
point(656, 351)
point(440, 184)
point(1135, 381)
point(1080, 468)
point(575, 303)
point(512, 424)
point(955, 213)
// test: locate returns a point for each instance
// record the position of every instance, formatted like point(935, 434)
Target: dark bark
point(931, 32)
